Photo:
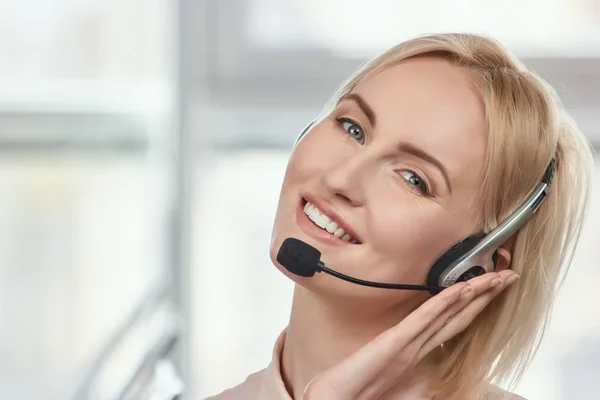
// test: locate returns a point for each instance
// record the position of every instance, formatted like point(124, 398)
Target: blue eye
point(352, 129)
point(415, 181)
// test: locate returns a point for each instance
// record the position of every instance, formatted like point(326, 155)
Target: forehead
point(432, 103)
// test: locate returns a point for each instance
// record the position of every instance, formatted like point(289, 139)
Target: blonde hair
point(526, 127)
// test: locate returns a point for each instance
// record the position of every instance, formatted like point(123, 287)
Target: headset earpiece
point(480, 265)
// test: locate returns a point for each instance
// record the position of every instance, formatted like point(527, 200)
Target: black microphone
point(302, 259)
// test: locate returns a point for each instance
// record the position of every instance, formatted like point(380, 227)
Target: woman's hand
point(376, 367)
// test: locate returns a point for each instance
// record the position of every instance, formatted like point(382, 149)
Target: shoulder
point(246, 390)
point(492, 392)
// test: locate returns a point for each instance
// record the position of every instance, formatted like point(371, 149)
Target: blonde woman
point(439, 139)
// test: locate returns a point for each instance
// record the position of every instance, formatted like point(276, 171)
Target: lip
point(311, 229)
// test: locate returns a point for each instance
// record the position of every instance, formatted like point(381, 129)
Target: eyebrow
point(402, 146)
point(420, 153)
point(364, 106)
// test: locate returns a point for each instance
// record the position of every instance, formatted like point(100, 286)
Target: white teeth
point(324, 222)
point(314, 214)
point(339, 233)
point(331, 228)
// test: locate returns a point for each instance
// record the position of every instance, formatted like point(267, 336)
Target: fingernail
point(512, 279)
point(495, 282)
point(466, 289)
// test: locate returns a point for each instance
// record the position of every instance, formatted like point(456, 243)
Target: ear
point(504, 259)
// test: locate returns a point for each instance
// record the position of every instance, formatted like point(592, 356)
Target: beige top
point(264, 385)
point(268, 384)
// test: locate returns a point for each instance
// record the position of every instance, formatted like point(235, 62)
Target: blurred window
point(86, 97)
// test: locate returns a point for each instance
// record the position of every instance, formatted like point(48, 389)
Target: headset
point(478, 254)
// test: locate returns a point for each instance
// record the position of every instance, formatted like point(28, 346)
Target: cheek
point(304, 164)
point(310, 157)
point(413, 234)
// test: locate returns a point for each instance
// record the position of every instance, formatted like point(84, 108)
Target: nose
point(345, 179)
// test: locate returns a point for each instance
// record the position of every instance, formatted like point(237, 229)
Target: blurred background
point(142, 146)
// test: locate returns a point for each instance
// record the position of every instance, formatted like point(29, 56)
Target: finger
point(429, 312)
point(468, 291)
point(477, 286)
point(462, 319)
point(473, 289)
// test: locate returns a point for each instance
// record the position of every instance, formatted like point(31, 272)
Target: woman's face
point(396, 165)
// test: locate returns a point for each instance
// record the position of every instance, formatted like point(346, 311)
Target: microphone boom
point(302, 259)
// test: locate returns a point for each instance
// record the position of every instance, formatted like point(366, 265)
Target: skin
point(359, 164)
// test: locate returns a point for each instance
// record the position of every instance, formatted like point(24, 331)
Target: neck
point(322, 332)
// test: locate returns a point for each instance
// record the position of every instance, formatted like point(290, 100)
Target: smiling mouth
point(323, 221)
